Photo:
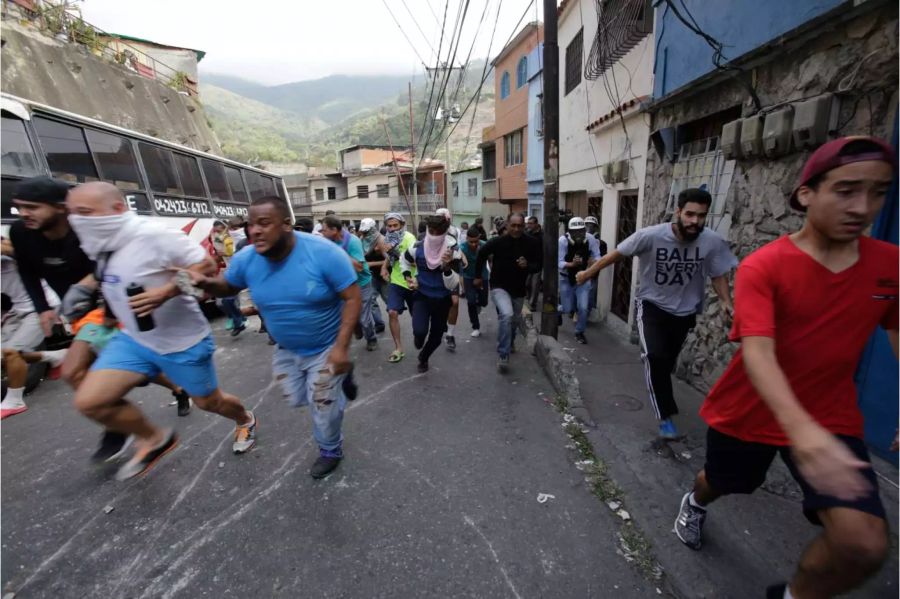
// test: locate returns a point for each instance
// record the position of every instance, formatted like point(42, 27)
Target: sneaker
point(349, 386)
point(358, 331)
point(184, 402)
point(7, 412)
point(229, 324)
point(503, 364)
point(451, 343)
point(244, 436)
point(667, 429)
point(689, 523)
point(580, 338)
point(422, 367)
point(144, 460)
point(112, 447)
point(379, 328)
point(776, 591)
point(476, 333)
point(323, 466)
point(238, 329)
point(372, 345)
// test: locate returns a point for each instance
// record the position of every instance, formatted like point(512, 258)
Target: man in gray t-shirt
point(675, 260)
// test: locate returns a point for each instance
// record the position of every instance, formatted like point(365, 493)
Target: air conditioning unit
point(620, 171)
point(608, 173)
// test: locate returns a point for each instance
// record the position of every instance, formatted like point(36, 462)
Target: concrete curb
point(560, 369)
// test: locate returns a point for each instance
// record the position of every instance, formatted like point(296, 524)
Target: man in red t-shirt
point(805, 306)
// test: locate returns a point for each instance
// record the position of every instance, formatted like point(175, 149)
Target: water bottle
point(145, 323)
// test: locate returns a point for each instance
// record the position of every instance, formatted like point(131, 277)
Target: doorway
point(625, 226)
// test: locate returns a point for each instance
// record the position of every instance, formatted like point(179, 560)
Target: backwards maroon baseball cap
point(833, 154)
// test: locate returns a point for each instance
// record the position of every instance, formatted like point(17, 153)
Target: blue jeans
point(509, 311)
point(380, 289)
point(575, 298)
point(366, 317)
point(595, 283)
point(305, 378)
point(232, 310)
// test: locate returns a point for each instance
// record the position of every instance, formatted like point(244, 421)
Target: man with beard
point(306, 288)
point(162, 331)
point(533, 229)
point(577, 251)
point(400, 296)
point(675, 258)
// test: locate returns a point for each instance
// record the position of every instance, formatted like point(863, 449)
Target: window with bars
point(512, 148)
point(383, 190)
point(455, 189)
point(332, 193)
point(573, 61)
point(473, 187)
point(362, 191)
point(320, 195)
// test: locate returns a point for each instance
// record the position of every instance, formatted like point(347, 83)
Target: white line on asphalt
point(509, 582)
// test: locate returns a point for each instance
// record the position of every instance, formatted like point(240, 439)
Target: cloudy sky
point(280, 41)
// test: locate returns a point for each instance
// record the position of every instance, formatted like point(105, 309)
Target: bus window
point(215, 180)
point(115, 158)
point(269, 186)
point(139, 202)
point(238, 192)
point(189, 173)
point(160, 168)
point(18, 155)
point(255, 184)
point(66, 151)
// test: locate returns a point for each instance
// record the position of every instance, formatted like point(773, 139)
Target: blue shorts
point(192, 369)
point(399, 298)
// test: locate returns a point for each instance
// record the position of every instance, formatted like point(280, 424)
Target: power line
point(416, 23)
point(433, 81)
point(403, 31)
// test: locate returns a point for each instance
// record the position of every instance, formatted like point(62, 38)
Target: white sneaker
point(476, 333)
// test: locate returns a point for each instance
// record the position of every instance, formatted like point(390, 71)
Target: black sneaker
point(689, 523)
point(580, 338)
point(372, 345)
point(776, 591)
point(451, 343)
point(351, 389)
point(379, 328)
point(422, 367)
point(112, 447)
point(235, 331)
point(141, 463)
point(503, 364)
point(184, 402)
point(324, 466)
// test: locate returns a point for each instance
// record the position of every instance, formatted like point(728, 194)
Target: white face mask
point(99, 234)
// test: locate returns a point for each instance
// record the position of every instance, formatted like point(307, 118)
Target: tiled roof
point(614, 113)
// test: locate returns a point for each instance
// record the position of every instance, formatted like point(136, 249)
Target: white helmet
point(591, 220)
point(443, 212)
point(575, 223)
point(366, 224)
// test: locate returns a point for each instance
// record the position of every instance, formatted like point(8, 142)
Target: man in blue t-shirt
point(306, 289)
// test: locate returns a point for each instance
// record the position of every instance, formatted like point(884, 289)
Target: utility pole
point(451, 113)
point(550, 74)
point(412, 151)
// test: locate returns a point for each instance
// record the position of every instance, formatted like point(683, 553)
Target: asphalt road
point(437, 496)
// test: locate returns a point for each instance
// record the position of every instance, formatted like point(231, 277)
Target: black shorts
point(736, 466)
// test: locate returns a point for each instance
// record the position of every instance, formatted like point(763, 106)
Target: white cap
point(443, 212)
point(591, 220)
point(576, 223)
point(366, 224)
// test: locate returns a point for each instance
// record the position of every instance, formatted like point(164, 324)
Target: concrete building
point(506, 142)
point(298, 193)
point(603, 136)
point(534, 169)
point(327, 186)
point(155, 60)
point(363, 157)
point(801, 73)
point(465, 197)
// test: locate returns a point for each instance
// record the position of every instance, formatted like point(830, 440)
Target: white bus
point(169, 183)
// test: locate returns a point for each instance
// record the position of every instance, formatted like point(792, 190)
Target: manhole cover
point(626, 402)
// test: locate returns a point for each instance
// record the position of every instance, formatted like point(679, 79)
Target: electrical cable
point(411, 45)
point(416, 23)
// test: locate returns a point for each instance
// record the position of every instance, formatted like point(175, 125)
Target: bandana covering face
point(368, 240)
point(434, 249)
point(99, 234)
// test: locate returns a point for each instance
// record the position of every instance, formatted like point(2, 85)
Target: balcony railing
point(427, 203)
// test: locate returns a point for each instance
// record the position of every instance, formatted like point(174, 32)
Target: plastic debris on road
point(108, 509)
point(623, 515)
point(614, 505)
point(545, 497)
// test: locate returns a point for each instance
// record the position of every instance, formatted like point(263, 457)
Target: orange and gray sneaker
point(245, 436)
point(145, 459)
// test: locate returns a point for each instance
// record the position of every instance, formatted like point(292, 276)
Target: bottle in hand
point(145, 323)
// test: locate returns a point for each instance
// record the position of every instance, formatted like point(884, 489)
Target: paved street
point(437, 496)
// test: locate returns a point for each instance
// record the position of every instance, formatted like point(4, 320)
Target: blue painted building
point(534, 169)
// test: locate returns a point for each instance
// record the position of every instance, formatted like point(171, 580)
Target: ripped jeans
point(305, 380)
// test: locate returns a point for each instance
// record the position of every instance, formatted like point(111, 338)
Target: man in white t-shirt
point(163, 331)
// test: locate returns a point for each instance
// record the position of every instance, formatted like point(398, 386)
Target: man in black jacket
point(533, 229)
point(514, 255)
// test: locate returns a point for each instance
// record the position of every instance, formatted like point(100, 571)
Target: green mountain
point(253, 124)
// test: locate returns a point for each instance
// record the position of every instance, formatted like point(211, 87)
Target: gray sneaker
point(245, 436)
point(689, 523)
point(503, 364)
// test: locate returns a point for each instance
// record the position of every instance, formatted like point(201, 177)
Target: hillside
point(252, 129)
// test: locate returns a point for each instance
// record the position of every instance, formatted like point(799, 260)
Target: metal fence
point(427, 203)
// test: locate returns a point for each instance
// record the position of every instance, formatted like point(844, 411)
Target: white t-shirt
point(148, 259)
point(12, 286)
